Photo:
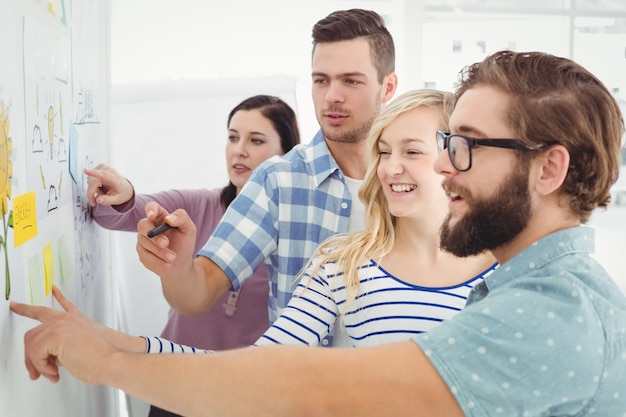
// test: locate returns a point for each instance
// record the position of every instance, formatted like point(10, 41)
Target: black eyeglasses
point(460, 147)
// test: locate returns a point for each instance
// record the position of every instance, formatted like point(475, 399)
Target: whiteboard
point(53, 123)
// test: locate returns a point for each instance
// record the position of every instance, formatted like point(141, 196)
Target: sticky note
point(48, 268)
point(24, 218)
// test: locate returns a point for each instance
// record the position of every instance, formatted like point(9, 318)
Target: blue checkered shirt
point(289, 205)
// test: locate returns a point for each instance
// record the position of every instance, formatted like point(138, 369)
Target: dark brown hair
point(284, 121)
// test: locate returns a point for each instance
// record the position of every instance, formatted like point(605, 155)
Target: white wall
point(200, 40)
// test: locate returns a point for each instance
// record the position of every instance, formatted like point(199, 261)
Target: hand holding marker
point(160, 229)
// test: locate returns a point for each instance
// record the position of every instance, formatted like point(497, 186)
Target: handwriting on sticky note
point(24, 218)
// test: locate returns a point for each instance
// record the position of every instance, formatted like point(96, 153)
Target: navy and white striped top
point(385, 310)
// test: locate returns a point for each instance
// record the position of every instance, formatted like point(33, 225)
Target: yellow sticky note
point(48, 267)
point(24, 218)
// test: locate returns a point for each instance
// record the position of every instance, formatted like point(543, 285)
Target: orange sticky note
point(48, 267)
point(24, 218)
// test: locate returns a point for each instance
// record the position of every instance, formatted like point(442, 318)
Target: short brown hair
point(556, 99)
point(344, 25)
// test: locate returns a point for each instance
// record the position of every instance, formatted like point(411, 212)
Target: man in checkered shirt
point(292, 202)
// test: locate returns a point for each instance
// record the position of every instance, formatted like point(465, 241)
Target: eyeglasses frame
point(443, 141)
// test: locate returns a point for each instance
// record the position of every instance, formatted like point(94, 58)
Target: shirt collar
point(536, 256)
point(319, 157)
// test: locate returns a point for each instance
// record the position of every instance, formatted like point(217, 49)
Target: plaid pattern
point(290, 204)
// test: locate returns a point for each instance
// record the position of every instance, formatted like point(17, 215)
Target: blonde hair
point(350, 251)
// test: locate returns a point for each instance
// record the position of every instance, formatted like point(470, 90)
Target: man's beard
point(491, 222)
point(353, 136)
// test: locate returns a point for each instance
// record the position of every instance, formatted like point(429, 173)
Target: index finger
point(39, 313)
point(94, 186)
point(178, 219)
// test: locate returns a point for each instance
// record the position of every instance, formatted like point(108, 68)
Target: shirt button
point(344, 205)
point(325, 342)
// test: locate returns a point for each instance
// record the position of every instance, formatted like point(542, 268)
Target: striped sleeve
point(309, 317)
point(155, 344)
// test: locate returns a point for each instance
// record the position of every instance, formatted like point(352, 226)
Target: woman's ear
point(553, 166)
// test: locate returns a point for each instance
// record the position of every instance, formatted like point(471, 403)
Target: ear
point(553, 167)
point(389, 86)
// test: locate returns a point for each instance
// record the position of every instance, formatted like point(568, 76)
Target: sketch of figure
point(62, 153)
point(53, 198)
point(37, 142)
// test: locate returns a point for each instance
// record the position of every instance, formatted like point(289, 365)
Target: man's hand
point(64, 338)
point(171, 252)
point(188, 286)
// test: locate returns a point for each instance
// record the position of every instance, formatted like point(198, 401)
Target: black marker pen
point(160, 229)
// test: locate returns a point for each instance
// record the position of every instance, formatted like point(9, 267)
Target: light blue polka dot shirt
point(544, 335)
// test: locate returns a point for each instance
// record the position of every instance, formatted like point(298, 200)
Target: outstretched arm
point(392, 379)
point(107, 339)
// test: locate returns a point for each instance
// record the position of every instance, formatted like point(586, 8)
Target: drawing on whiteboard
point(85, 230)
point(6, 173)
point(85, 107)
point(47, 88)
point(37, 142)
point(56, 153)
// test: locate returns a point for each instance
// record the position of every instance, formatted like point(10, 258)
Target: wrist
point(123, 341)
point(129, 200)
